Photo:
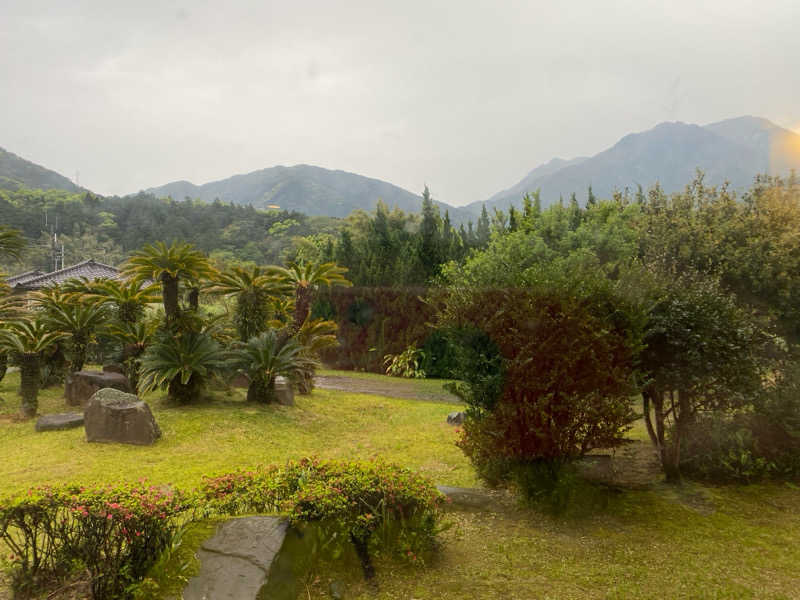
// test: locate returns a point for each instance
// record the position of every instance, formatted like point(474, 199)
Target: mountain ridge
point(733, 150)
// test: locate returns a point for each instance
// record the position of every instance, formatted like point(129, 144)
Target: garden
point(627, 415)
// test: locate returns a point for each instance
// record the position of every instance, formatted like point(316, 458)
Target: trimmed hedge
point(373, 322)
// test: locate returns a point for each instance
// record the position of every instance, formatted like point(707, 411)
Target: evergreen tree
point(430, 237)
point(591, 200)
point(483, 230)
point(574, 213)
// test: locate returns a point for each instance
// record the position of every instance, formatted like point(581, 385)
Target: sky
point(464, 96)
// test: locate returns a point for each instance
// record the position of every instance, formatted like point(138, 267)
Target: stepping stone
point(235, 562)
point(59, 422)
point(467, 497)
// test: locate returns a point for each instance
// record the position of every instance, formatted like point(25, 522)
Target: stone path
point(397, 388)
point(235, 562)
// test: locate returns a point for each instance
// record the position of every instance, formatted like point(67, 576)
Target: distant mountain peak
point(733, 150)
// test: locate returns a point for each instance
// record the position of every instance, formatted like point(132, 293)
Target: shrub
point(559, 385)
point(379, 507)
point(405, 364)
point(115, 533)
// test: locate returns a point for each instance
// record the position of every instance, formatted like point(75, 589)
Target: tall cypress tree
point(483, 230)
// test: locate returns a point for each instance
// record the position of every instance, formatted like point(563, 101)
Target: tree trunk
point(169, 295)
point(29, 381)
point(79, 350)
point(3, 365)
point(194, 298)
point(305, 383)
point(260, 390)
point(302, 306)
point(183, 394)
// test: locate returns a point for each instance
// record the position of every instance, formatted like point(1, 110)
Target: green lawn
point(226, 433)
point(687, 542)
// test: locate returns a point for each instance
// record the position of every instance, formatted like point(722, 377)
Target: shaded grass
point(642, 545)
point(425, 387)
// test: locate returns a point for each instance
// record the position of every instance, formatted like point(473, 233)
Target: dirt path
point(393, 389)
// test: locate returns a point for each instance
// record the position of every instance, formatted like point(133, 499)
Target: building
point(35, 280)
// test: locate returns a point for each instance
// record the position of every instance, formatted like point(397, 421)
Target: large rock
point(59, 422)
point(82, 385)
point(236, 562)
point(115, 416)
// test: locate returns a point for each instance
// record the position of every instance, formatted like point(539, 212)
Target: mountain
point(734, 150)
point(304, 188)
point(16, 172)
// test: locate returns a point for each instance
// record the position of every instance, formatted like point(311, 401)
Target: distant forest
point(749, 241)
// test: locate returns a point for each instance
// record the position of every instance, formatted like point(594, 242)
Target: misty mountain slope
point(305, 188)
point(734, 150)
point(16, 172)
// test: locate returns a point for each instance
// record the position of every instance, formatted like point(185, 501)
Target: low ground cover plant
point(116, 534)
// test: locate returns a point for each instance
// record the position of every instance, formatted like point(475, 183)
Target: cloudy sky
point(466, 96)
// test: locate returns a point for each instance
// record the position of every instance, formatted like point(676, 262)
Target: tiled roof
point(88, 269)
point(23, 277)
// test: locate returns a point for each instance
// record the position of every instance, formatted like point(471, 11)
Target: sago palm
point(11, 243)
point(314, 336)
point(26, 341)
point(180, 363)
point(306, 278)
point(254, 290)
point(78, 321)
point(134, 339)
point(128, 298)
point(265, 357)
point(169, 266)
point(10, 309)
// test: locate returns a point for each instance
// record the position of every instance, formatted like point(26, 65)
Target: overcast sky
point(465, 96)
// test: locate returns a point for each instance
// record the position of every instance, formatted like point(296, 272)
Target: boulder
point(456, 418)
point(236, 562)
point(115, 416)
point(82, 385)
point(59, 421)
point(284, 394)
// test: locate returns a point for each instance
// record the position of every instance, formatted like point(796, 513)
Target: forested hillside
point(16, 173)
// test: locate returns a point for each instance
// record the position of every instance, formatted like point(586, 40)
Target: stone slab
point(467, 497)
point(235, 562)
point(59, 421)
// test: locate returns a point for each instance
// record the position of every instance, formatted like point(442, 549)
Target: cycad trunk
point(29, 380)
point(302, 306)
point(3, 365)
point(169, 295)
point(305, 383)
point(261, 389)
point(183, 393)
point(79, 350)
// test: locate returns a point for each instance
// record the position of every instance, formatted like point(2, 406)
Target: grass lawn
point(226, 433)
point(669, 542)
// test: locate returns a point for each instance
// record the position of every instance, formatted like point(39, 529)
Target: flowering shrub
point(115, 533)
point(377, 506)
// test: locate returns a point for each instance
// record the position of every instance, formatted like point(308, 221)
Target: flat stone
point(115, 416)
point(59, 421)
point(114, 368)
point(467, 497)
point(235, 562)
point(82, 385)
point(456, 418)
